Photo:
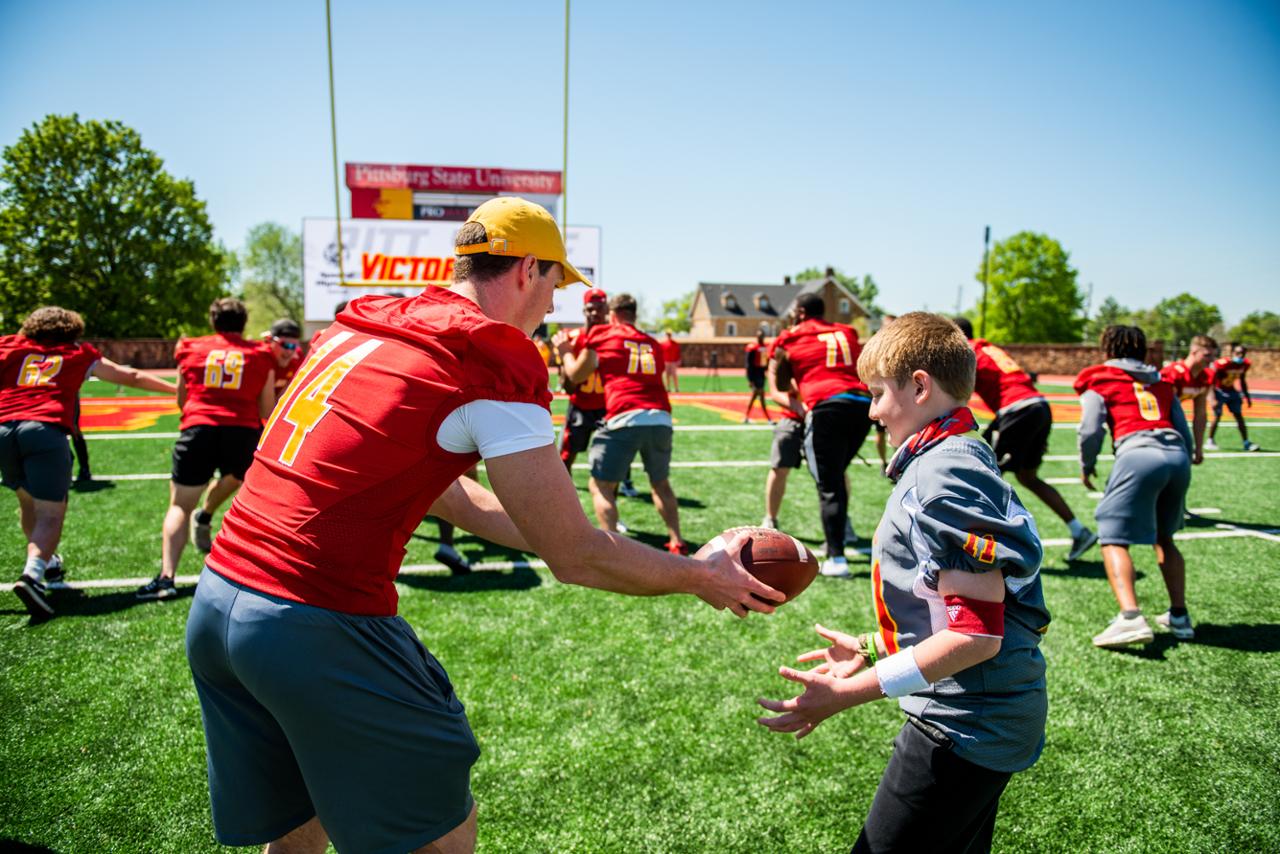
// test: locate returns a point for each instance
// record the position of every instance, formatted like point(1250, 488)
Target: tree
point(865, 289)
point(1032, 294)
point(675, 314)
point(1110, 313)
point(1178, 319)
point(91, 221)
point(271, 277)
point(1257, 329)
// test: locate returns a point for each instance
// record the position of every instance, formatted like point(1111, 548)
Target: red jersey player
point(1019, 432)
point(1191, 378)
point(1147, 488)
point(757, 363)
point(671, 358)
point(285, 342)
point(1225, 373)
point(41, 371)
point(822, 359)
point(226, 387)
point(637, 413)
point(586, 399)
point(292, 638)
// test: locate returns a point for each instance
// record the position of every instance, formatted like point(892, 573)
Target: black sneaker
point(628, 490)
point(53, 572)
point(157, 588)
point(450, 557)
point(32, 594)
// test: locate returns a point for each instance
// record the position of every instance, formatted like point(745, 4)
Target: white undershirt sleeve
point(495, 428)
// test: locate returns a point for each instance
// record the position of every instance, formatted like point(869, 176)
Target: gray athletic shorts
point(788, 444)
point(311, 712)
point(613, 450)
point(1145, 493)
point(1231, 399)
point(35, 456)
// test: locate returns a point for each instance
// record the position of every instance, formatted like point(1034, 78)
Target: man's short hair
point(966, 326)
point(623, 305)
point(920, 341)
point(1204, 341)
point(1123, 342)
point(1234, 344)
point(482, 266)
point(53, 325)
point(228, 314)
point(812, 305)
point(286, 328)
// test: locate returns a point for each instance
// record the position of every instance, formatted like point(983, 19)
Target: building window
point(731, 329)
point(762, 304)
point(844, 306)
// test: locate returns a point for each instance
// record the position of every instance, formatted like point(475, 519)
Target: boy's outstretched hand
point(842, 659)
point(821, 699)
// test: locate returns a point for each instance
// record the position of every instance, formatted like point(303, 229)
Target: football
point(779, 560)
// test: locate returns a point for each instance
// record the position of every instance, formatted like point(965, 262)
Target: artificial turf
point(618, 724)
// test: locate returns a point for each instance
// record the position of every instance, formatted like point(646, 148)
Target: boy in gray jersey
point(956, 589)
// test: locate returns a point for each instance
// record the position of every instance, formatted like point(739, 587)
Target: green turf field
point(616, 724)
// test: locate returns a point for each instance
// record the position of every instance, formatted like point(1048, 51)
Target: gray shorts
point(1231, 399)
point(788, 444)
point(1145, 493)
point(311, 712)
point(36, 456)
point(613, 450)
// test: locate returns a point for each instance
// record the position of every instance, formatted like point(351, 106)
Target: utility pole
point(986, 274)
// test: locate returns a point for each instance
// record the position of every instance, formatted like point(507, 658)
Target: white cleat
point(835, 567)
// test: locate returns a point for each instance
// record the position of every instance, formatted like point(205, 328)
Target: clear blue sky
point(728, 141)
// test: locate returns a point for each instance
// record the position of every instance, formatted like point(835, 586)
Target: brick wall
point(138, 352)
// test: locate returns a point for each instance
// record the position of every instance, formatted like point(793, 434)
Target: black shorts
point(755, 377)
point(202, 449)
point(579, 424)
point(35, 456)
point(1020, 438)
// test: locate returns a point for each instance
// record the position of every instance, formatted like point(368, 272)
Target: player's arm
point(1091, 432)
point(476, 510)
point(541, 500)
point(579, 366)
point(1199, 417)
point(108, 371)
point(1244, 389)
point(267, 397)
point(774, 374)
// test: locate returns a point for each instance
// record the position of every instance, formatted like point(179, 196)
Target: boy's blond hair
point(920, 341)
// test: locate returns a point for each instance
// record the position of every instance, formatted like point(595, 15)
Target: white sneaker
point(770, 522)
point(1210, 445)
point(1122, 632)
point(621, 528)
point(1180, 626)
point(1081, 544)
point(835, 567)
point(850, 538)
point(1251, 446)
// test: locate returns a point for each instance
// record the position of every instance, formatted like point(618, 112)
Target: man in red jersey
point(1019, 432)
point(757, 359)
point(637, 413)
point(285, 342)
point(821, 358)
point(671, 358)
point(1145, 494)
point(1226, 372)
point(310, 687)
point(41, 371)
point(1191, 378)
point(226, 388)
point(586, 399)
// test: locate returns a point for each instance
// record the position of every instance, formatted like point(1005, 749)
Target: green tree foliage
point(1178, 319)
point(1257, 329)
point(271, 275)
point(1032, 293)
point(91, 221)
point(675, 314)
point(865, 289)
point(1110, 313)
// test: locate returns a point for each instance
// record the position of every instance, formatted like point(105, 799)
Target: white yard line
point(1204, 511)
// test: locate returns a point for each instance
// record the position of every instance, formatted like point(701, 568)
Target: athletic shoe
point(202, 532)
point(836, 567)
point(1081, 544)
point(32, 594)
point(770, 522)
point(850, 538)
point(1180, 626)
point(450, 557)
point(628, 490)
point(53, 572)
point(157, 588)
point(1251, 446)
point(1210, 445)
point(1122, 632)
point(676, 547)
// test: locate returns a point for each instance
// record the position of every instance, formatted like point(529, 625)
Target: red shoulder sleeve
point(504, 364)
point(1085, 379)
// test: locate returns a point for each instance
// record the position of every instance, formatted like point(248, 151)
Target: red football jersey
point(630, 365)
point(1225, 372)
point(824, 359)
point(1186, 385)
point(589, 394)
point(224, 374)
point(1131, 406)
point(348, 463)
point(670, 350)
point(757, 356)
point(1000, 380)
point(41, 383)
point(285, 375)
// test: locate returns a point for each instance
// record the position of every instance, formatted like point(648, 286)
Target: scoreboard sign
point(381, 256)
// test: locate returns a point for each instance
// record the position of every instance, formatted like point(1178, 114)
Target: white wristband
point(899, 675)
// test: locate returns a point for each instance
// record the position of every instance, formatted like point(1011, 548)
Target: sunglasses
point(288, 345)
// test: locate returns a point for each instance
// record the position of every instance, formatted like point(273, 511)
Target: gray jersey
point(951, 510)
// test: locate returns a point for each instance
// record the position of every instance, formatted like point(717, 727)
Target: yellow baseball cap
point(517, 227)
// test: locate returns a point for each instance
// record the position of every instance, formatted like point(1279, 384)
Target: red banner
point(452, 179)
